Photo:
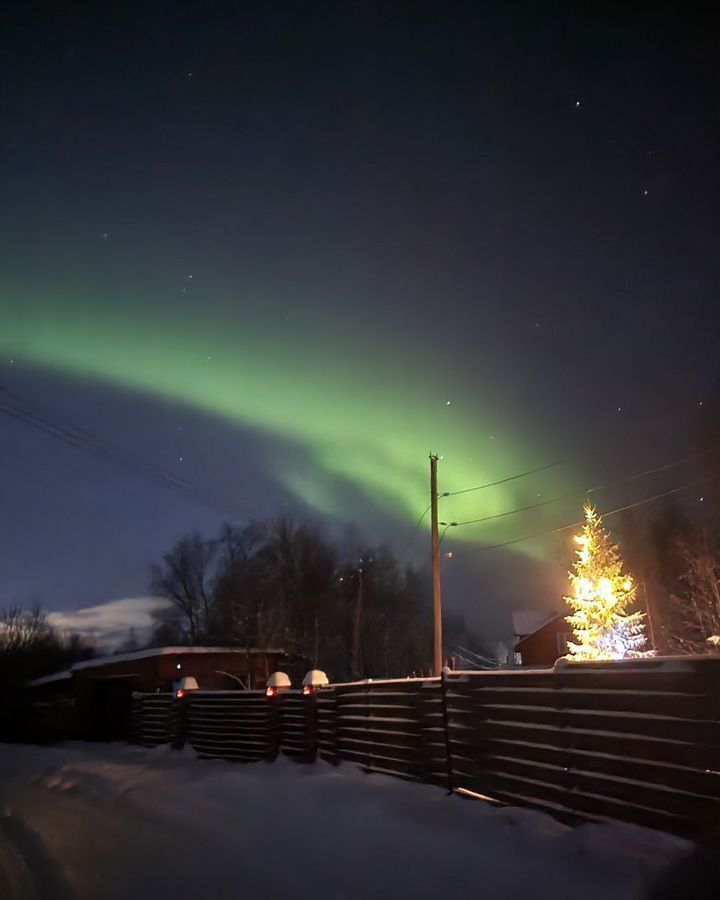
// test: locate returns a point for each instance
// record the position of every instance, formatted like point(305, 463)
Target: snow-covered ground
point(112, 821)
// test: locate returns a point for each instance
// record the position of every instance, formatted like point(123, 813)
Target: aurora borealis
point(284, 255)
point(359, 422)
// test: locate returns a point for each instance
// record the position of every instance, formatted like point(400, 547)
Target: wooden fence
point(395, 727)
point(153, 719)
point(637, 741)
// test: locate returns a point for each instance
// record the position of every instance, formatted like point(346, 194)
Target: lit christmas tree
point(602, 620)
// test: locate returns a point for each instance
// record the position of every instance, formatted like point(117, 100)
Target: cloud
point(109, 623)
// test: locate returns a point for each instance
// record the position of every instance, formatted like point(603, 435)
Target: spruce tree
point(603, 621)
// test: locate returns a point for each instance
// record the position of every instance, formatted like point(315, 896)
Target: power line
point(76, 436)
point(481, 487)
point(509, 512)
point(601, 487)
point(87, 442)
point(478, 488)
point(653, 471)
point(612, 512)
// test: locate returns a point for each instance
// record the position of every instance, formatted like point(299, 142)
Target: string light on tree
point(603, 595)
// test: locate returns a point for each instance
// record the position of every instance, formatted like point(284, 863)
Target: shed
point(546, 642)
point(102, 688)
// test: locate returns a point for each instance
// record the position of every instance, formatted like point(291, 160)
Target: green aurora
point(357, 406)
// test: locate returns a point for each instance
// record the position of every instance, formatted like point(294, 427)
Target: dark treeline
point(30, 647)
point(352, 612)
point(674, 555)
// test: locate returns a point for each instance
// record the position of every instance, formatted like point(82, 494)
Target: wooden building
point(100, 690)
point(545, 639)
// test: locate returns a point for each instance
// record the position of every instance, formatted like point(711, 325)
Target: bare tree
point(695, 611)
point(22, 628)
point(184, 579)
point(283, 584)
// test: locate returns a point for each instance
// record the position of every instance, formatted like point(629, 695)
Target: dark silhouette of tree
point(130, 644)
point(240, 612)
point(168, 629)
point(283, 584)
point(22, 628)
point(675, 556)
point(184, 579)
point(30, 647)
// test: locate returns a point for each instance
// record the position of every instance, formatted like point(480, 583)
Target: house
point(100, 690)
point(541, 636)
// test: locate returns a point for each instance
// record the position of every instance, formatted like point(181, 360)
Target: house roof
point(48, 679)
point(527, 637)
point(528, 621)
point(147, 654)
point(168, 651)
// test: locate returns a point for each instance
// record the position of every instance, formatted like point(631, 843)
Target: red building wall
point(546, 645)
point(159, 671)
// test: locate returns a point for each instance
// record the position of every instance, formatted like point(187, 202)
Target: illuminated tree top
point(604, 623)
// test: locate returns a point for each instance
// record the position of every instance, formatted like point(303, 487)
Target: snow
point(49, 679)
point(109, 822)
point(165, 651)
point(528, 621)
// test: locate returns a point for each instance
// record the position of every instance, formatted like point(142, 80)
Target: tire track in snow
point(27, 871)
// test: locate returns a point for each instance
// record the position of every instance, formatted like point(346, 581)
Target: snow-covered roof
point(48, 679)
point(528, 621)
point(168, 651)
point(146, 654)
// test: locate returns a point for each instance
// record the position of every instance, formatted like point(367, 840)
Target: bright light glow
point(603, 623)
point(271, 691)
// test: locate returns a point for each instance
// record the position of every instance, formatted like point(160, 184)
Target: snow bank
point(113, 822)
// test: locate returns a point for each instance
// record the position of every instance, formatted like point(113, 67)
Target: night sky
point(280, 251)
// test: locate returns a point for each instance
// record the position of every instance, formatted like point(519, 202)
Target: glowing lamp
point(277, 683)
point(315, 678)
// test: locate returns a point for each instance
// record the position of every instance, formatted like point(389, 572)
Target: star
point(189, 74)
point(181, 459)
point(189, 277)
point(645, 193)
point(448, 402)
point(105, 235)
point(578, 104)
point(619, 409)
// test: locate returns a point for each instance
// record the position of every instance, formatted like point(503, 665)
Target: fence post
point(446, 726)
point(181, 721)
point(368, 740)
point(311, 727)
point(328, 718)
point(274, 726)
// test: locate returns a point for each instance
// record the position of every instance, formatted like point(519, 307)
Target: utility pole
point(650, 617)
point(357, 627)
point(437, 587)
